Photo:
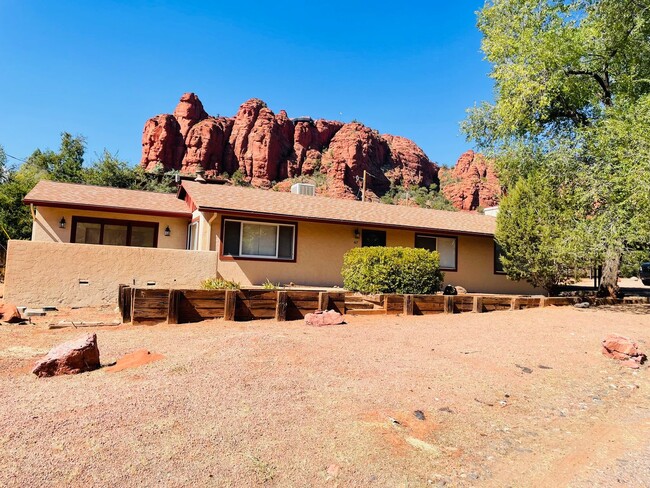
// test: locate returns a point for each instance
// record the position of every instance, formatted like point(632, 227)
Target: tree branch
point(602, 81)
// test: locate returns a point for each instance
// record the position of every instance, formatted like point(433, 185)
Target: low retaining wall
point(184, 306)
point(178, 306)
point(81, 275)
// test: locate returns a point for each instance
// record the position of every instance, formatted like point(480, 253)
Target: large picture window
point(258, 240)
point(86, 230)
point(446, 247)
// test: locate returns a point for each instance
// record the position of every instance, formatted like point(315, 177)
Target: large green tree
point(572, 80)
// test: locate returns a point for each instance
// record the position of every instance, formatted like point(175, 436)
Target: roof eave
point(343, 221)
point(106, 208)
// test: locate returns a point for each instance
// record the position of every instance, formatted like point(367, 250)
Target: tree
point(65, 165)
point(565, 74)
point(533, 229)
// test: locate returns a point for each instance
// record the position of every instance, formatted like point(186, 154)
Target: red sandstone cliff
point(472, 183)
point(269, 148)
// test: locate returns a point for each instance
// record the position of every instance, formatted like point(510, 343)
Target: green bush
point(219, 284)
point(391, 270)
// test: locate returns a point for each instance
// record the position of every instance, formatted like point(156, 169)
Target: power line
point(14, 157)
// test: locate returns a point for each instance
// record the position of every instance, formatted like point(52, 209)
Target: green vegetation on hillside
point(66, 165)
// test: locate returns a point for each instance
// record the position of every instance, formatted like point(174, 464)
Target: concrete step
point(34, 312)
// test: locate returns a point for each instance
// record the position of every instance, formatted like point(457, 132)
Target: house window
point(446, 247)
point(259, 240)
point(373, 238)
point(498, 252)
point(193, 236)
point(86, 230)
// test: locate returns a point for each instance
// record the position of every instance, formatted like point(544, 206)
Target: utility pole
point(363, 192)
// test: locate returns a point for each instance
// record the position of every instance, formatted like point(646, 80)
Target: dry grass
point(282, 404)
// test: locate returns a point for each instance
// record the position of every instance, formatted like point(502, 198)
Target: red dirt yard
point(521, 398)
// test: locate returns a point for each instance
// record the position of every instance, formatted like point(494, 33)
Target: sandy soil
point(515, 399)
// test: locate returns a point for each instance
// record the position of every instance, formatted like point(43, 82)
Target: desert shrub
point(269, 285)
point(391, 270)
point(219, 284)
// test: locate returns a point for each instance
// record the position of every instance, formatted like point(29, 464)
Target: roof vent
point(199, 175)
point(303, 189)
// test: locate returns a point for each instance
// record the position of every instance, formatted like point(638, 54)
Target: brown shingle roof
point(317, 208)
point(70, 195)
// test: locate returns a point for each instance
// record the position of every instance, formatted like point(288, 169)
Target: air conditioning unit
point(303, 189)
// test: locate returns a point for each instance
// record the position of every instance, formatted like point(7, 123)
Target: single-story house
point(88, 239)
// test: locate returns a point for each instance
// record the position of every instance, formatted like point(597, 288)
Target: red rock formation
point(472, 183)
point(269, 148)
point(162, 143)
point(205, 145)
point(412, 166)
point(188, 112)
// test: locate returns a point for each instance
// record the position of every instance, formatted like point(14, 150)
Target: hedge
point(391, 270)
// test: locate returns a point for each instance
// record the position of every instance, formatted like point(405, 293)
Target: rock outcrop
point(268, 148)
point(72, 357)
point(472, 183)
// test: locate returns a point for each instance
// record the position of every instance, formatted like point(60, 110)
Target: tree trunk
point(609, 281)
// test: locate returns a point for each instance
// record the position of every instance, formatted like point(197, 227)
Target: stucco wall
point(46, 225)
point(49, 273)
point(320, 249)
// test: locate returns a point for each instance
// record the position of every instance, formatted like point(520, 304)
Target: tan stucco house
point(86, 240)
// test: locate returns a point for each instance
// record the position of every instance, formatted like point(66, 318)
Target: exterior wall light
point(168, 232)
point(357, 234)
point(62, 223)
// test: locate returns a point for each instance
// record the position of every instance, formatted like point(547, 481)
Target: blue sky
point(102, 68)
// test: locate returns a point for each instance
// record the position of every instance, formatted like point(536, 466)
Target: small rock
point(320, 318)
point(581, 305)
point(72, 357)
point(446, 409)
point(419, 414)
point(9, 313)
point(524, 369)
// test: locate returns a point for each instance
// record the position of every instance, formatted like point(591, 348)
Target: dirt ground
point(517, 398)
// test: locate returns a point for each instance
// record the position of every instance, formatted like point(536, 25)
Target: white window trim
point(277, 240)
point(428, 236)
point(191, 225)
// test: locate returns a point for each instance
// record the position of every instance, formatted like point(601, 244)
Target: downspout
point(31, 209)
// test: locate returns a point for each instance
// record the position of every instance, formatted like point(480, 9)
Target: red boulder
point(9, 313)
point(320, 318)
point(72, 357)
point(624, 349)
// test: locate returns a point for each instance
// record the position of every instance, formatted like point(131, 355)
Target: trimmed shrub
point(391, 270)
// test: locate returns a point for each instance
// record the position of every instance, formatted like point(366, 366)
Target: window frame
point(249, 257)
point(76, 219)
point(193, 224)
point(375, 230)
point(440, 236)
